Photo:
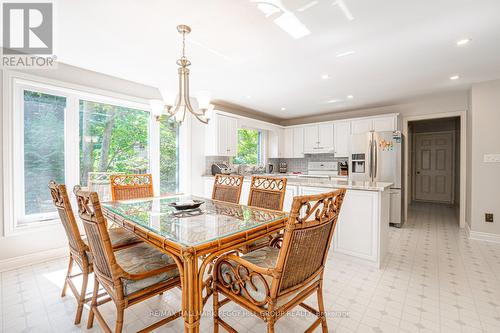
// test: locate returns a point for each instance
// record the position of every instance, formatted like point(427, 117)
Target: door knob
point(418, 172)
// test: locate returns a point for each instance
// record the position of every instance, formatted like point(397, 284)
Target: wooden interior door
point(434, 167)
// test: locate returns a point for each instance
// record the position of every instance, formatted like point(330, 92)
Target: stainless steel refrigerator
point(378, 157)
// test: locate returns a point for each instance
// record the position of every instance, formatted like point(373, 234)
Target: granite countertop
point(333, 183)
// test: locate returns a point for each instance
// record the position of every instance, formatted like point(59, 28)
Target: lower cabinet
point(291, 191)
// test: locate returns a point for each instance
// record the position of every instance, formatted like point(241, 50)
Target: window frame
point(14, 84)
point(261, 159)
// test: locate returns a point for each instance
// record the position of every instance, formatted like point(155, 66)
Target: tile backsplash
point(293, 164)
point(300, 164)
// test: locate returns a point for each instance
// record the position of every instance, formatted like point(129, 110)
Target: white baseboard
point(482, 236)
point(33, 258)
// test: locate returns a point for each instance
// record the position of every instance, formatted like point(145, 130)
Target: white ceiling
point(403, 49)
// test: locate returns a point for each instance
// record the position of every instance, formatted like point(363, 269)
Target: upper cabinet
point(342, 137)
point(293, 142)
point(318, 138)
point(377, 124)
point(221, 136)
point(276, 143)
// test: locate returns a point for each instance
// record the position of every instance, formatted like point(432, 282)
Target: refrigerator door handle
point(370, 166)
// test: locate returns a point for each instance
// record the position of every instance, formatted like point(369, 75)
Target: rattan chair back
point(63, 205)
point(267, 192)
point(89, 210)
point(227, 188)
point(132, 186)
point(306, 240)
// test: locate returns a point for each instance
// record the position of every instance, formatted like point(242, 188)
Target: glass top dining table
point(194, 238)
point(212, 221)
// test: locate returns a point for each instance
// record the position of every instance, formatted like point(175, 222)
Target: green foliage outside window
point(249, 142)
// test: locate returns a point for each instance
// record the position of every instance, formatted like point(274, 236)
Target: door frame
point(413, 165)
point(463, 160)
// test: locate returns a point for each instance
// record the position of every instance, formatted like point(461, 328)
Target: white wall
point(485, 139)
point(43, 239)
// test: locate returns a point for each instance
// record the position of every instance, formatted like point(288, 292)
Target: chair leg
point(321, 306)
point(119, 319)
point(68, 274)
point(270, 325)
point(93, 304)
point(215, 297)
point(81, 299)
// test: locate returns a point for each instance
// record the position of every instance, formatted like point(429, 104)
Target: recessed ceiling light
point(454, 77)
point(350, 96)
point(464, 41)
point(332, 101)
point(345, 54)
point(307, 6)
point(325, 76)
point(283, 109)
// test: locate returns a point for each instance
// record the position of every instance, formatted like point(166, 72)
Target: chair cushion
point(121, 237)
point(142, 258)
point(266, 257)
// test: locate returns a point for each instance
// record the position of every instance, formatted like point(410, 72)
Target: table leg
point(192, 304)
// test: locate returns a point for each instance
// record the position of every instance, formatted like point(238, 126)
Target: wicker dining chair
point(227, 188)
point(78, 247)
point(131, 186)
point(270, 282)
point(129, 275)
point(269, 193)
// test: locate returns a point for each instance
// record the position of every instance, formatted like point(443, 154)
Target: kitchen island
point(363, 226)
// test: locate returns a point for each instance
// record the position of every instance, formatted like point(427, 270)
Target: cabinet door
point(325, 136)
point(298, 142)
point(274, 144)
point(232, 136)
point(222, 143)
point(384, 124)
point(245, 191)
point(290, 193)
point(288, 143)
point(342, 138)
point(361, 126)
point(310, 139)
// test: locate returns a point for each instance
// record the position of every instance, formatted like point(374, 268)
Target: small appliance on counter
point(344, 168)
point(221, 168)
point(283, 168)
point(270, 168)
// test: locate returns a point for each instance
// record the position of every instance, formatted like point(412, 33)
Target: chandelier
point(177, 106)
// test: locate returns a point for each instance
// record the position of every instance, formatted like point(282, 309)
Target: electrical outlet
point(488, 217)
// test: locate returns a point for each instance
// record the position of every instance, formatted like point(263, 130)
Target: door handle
point(418, 172)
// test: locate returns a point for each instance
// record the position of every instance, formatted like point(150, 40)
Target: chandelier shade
point(178, 105)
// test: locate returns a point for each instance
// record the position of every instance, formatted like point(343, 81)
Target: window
point(249, 147)
point(64, 134)
point(43, 151)
point(169, 157)
point(112, 139)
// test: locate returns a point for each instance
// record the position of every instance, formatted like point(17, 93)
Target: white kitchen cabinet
point(310, 138)
point(288, 143)
point(298, 142)
point(276, 143)
point(318, 138)
point(342, 138)
point(383, 124)
point(221, 136)
point(245, 192)
point(290, 193)
point(293, 142)
point(361, 126)
point(208, 185)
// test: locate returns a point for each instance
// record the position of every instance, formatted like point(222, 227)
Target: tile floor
point(435, 280)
